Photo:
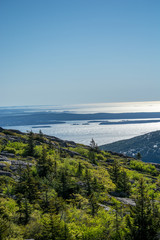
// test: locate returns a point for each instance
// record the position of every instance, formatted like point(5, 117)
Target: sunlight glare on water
point(82, 132)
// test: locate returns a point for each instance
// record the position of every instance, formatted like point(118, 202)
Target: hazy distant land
point(20, 117)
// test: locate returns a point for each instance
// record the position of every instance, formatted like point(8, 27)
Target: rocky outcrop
point(126, 201)
point(7, 154)
point(2, 165)
point(5, 173)
point(71, 153)
point(13, 165)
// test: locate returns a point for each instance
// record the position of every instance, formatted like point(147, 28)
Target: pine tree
point(27, 185)
point(143, 224)
point(52, 228)
point(123, 184)
point(117, 222)
point(79, 170)
point(64, 184)
point(93, 204)
point(138, 156)
point(40, 133)
point(88, 182)
point(93, 145)
point(43, 165)
point(55, 168)
point(26, 211)
point(30, 146)
point(115, 172)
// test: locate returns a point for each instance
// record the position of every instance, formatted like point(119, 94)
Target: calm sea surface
point(82, 132)
point(102, 134)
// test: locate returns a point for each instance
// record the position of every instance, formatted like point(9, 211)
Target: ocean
point(82, 131)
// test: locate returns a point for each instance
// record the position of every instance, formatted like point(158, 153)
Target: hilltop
point(148, 145)
point(56, 189)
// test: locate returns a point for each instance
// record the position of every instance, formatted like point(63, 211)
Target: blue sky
point(79, 51)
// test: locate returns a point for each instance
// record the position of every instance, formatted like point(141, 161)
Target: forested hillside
point(148, 145)
point(55, 189)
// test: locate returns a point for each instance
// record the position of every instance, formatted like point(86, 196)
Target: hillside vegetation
point(54, 189)
point(148, 145)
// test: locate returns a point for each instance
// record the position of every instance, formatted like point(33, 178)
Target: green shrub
point(143, 167)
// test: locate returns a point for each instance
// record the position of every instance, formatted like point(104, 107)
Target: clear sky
point(79, 51)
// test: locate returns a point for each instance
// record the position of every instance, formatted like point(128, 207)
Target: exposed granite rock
point(3, 158)
point(4, 173)
point(71, 153)
point(7, 154)
point(127, 201)
point(2, 165)
point(19, 162)
point(106, 208)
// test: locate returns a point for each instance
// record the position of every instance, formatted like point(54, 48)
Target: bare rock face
point(2, 165)
point(19, 162)
point(4, 173)
point(7, 154)
point(13, 165)
point(127, 201)
point(3, 158)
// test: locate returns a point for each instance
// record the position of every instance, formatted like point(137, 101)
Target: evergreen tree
point(143, 222)
point(53, 229)
point(79, 170)
point(123, 184)
point(93, 145)
point(138, 156)
point(40, 134)
point(24, 209)
point(115, 172)
point(64, 184)
point(88, 182)
point(44, 164)
point(93, 204)
point(117, 235)
point(27, 185)
point(30, 145)
point(55, 168)
point(66, 234)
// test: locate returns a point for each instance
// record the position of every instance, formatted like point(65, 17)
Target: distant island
point(128, 122)
point(21, 117)
point(41, 126)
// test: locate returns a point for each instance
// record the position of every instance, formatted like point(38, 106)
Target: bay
point(81, 133)
point(84, 131)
